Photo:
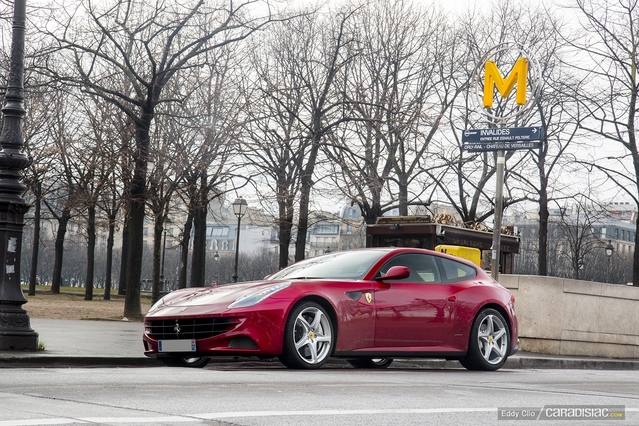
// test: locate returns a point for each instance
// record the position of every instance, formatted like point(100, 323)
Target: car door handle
point(452, 298)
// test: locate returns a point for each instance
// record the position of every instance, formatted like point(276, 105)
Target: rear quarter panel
point(471, 299)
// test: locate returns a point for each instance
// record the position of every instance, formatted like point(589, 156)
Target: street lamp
point(15, 331)
point(239, 209)
point(609, 250)
point(162, 286)
point(216, 258)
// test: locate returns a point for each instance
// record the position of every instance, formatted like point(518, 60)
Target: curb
point(54, 361)
point(10, 360)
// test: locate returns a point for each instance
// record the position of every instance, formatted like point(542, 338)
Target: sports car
point(367, 306)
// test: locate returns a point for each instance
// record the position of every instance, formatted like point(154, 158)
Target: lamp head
point(609, 248)
point(239, 207)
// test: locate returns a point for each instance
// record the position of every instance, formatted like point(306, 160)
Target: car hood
point(199, 300)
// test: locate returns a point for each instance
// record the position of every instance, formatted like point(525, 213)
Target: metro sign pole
point(501, 138)
point(15, 331)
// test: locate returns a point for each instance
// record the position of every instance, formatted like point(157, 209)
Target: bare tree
point(466, 180)
point(577, 236)
point(64, 129)
point(146, 45)
point(611, 39)
point(276, 145)
point(36, 175)
point(316, 52)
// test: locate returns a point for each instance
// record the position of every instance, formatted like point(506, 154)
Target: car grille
point(198, 328)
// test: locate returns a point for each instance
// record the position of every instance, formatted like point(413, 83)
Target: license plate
point(176, 345)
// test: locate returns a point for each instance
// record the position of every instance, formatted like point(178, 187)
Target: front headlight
point(255, 298)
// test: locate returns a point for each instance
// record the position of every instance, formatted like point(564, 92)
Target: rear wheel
point(371, 362)
point(198, 362)
point(308, 337)
point(489, 342)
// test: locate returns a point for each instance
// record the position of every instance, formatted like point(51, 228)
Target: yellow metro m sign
point(493, 78)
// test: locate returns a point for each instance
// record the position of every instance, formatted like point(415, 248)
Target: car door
point(413, 312)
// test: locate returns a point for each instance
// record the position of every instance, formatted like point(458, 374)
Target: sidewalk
point(72, 343)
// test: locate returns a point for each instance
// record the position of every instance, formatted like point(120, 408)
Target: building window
point(217, 231)
point(327, 229)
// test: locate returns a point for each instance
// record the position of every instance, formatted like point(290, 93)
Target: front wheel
point(489, 342)
point(371, 362)
point(308, 337)
point(198, 362)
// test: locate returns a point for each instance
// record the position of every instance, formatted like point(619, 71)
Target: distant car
point(367, 306)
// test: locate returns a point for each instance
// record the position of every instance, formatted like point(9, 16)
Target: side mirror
point(395, 273)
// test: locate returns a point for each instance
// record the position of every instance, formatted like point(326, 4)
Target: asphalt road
point(268, 394)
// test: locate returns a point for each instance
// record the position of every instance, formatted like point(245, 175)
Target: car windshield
point(345, 265)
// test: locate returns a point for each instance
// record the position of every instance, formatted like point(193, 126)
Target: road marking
point(235, 414)
point(239, 414)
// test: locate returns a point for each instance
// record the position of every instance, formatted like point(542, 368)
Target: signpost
point(500, 139)
point(490, 82)
point(495, 139)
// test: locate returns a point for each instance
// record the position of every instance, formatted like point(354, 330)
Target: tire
point(186, 362)
point(308, 337)
point(489, 343)
point(371, 362)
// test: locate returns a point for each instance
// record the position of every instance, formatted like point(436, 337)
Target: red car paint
point(370, 317)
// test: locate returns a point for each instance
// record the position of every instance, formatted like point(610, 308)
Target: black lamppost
point(162, 286)
point(15, 331)
point(239, 209)
point(609, 250)
point(216, 258)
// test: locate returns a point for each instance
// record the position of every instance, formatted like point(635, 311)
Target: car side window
point(456, 271)
point(423, 268)
point(426, 268)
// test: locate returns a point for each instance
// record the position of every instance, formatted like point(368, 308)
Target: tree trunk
point(132, 306)
point(63, 220)
point(635, 262)
point(286, 213)
point(542, 266)
point(109, 258)
point(88, 285)
point(305, 195)
point(33, 276)
point(184, 254)
point(158, 277)
point(403, 194)
point(198, 260)
point(124, 259)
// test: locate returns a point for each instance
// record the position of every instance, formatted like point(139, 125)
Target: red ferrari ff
point(367, 306)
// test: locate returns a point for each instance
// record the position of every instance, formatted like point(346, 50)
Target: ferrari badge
point(369, 297)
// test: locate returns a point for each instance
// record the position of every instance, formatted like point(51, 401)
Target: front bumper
point(253, 333)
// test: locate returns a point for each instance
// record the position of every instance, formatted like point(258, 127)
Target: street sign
point(503, 134)
point(496, 146)
point(495, 139)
